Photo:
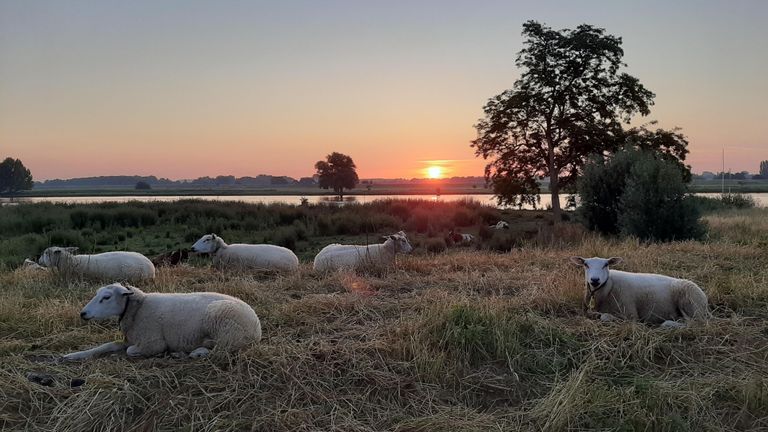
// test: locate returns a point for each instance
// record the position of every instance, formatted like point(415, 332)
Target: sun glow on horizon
point(435, 172)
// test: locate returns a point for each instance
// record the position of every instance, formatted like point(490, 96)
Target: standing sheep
point(336, 256)
point(121, 265)
point(650, 298)
point(155, 323)
point(258, 256)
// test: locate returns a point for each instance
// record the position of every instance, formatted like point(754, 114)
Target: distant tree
point(764, 169)
point(14, 176)
point(142, 185)
point(337, 172)
point(569, 102)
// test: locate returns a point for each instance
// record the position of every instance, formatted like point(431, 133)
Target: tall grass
point(463, 340)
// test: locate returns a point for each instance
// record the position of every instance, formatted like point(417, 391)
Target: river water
point(760, 198)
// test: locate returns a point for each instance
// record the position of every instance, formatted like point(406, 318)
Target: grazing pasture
point(489, 337)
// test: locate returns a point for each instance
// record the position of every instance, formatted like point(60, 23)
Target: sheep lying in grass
point(254, 256)
point(172, 258)
point(650, 298)
point(31, 265)
point(155, 323)
point(337, 256)
point(460, 238)
point(122, 266)
point(500, 225)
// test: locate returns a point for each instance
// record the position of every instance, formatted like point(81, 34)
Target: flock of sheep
point(191, 324)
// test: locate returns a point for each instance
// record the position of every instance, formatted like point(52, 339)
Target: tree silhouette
point(337, 172)
point(142, 185)
point(764, 169)
point(14, 176)
point(569, 102)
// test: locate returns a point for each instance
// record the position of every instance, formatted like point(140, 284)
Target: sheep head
point(109, 301)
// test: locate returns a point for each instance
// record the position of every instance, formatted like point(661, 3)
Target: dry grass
point(467, 340)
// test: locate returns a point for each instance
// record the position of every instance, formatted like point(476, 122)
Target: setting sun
point(434, 172)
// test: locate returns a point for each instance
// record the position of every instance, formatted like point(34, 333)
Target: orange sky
point(108, 88)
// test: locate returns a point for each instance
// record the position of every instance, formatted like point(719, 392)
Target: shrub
point(723, 202)
point(286, 237)
point(463, 218)
point(419, 221)
point(635, 193)
point(655, 205)
point(485, 232)
point(503, 241)
point(435, 245)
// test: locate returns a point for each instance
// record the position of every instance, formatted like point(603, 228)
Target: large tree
point(764, 169)
point(337, 172)
point(14, 176)
point(569, 102)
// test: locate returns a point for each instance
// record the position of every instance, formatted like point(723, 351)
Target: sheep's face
point(109, 301)
point(207, 244)
point(401, 243)
point(52, 255)
point(595, 269)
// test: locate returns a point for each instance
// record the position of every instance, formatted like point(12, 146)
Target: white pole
point(722, 176)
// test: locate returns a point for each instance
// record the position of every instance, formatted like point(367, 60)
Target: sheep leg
point(199, 353)
point(106, 348)
point(669, 324)
point(146, 350)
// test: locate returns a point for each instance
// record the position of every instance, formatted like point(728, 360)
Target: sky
point(186, 88)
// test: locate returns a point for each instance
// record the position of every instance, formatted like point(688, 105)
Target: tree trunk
point(554, 186)
point(554, 190)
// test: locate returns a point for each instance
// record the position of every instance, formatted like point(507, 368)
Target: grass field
point(461, 340)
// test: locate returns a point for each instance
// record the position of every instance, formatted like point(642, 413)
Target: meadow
point(489, 337)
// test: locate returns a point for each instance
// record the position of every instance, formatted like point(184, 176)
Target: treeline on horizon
point(261, 180)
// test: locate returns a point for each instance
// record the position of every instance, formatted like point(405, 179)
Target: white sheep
point(500, 225)
point(121, 265)
point(255, 256)
point(337, 256)
point(31, 265)
point(650, 298)
point(460, 238)
point(155, 323)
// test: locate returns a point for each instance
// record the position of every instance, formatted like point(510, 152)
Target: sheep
point(121, 265)
point(337, 256)
point(31, 265)
point(649, 298)
point(500, 225)
point(155, 323)
point(255, 256)
point(172, 258)
point(460, 238)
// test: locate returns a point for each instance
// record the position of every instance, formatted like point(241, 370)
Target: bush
point(463, 218)
point(435, 245)
point(655, 206)
point(634, 193)
point(485, 232)
point(723, 202)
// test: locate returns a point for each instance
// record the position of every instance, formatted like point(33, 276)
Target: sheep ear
point(614, 261)
point(123, 290)
point(578, 261)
